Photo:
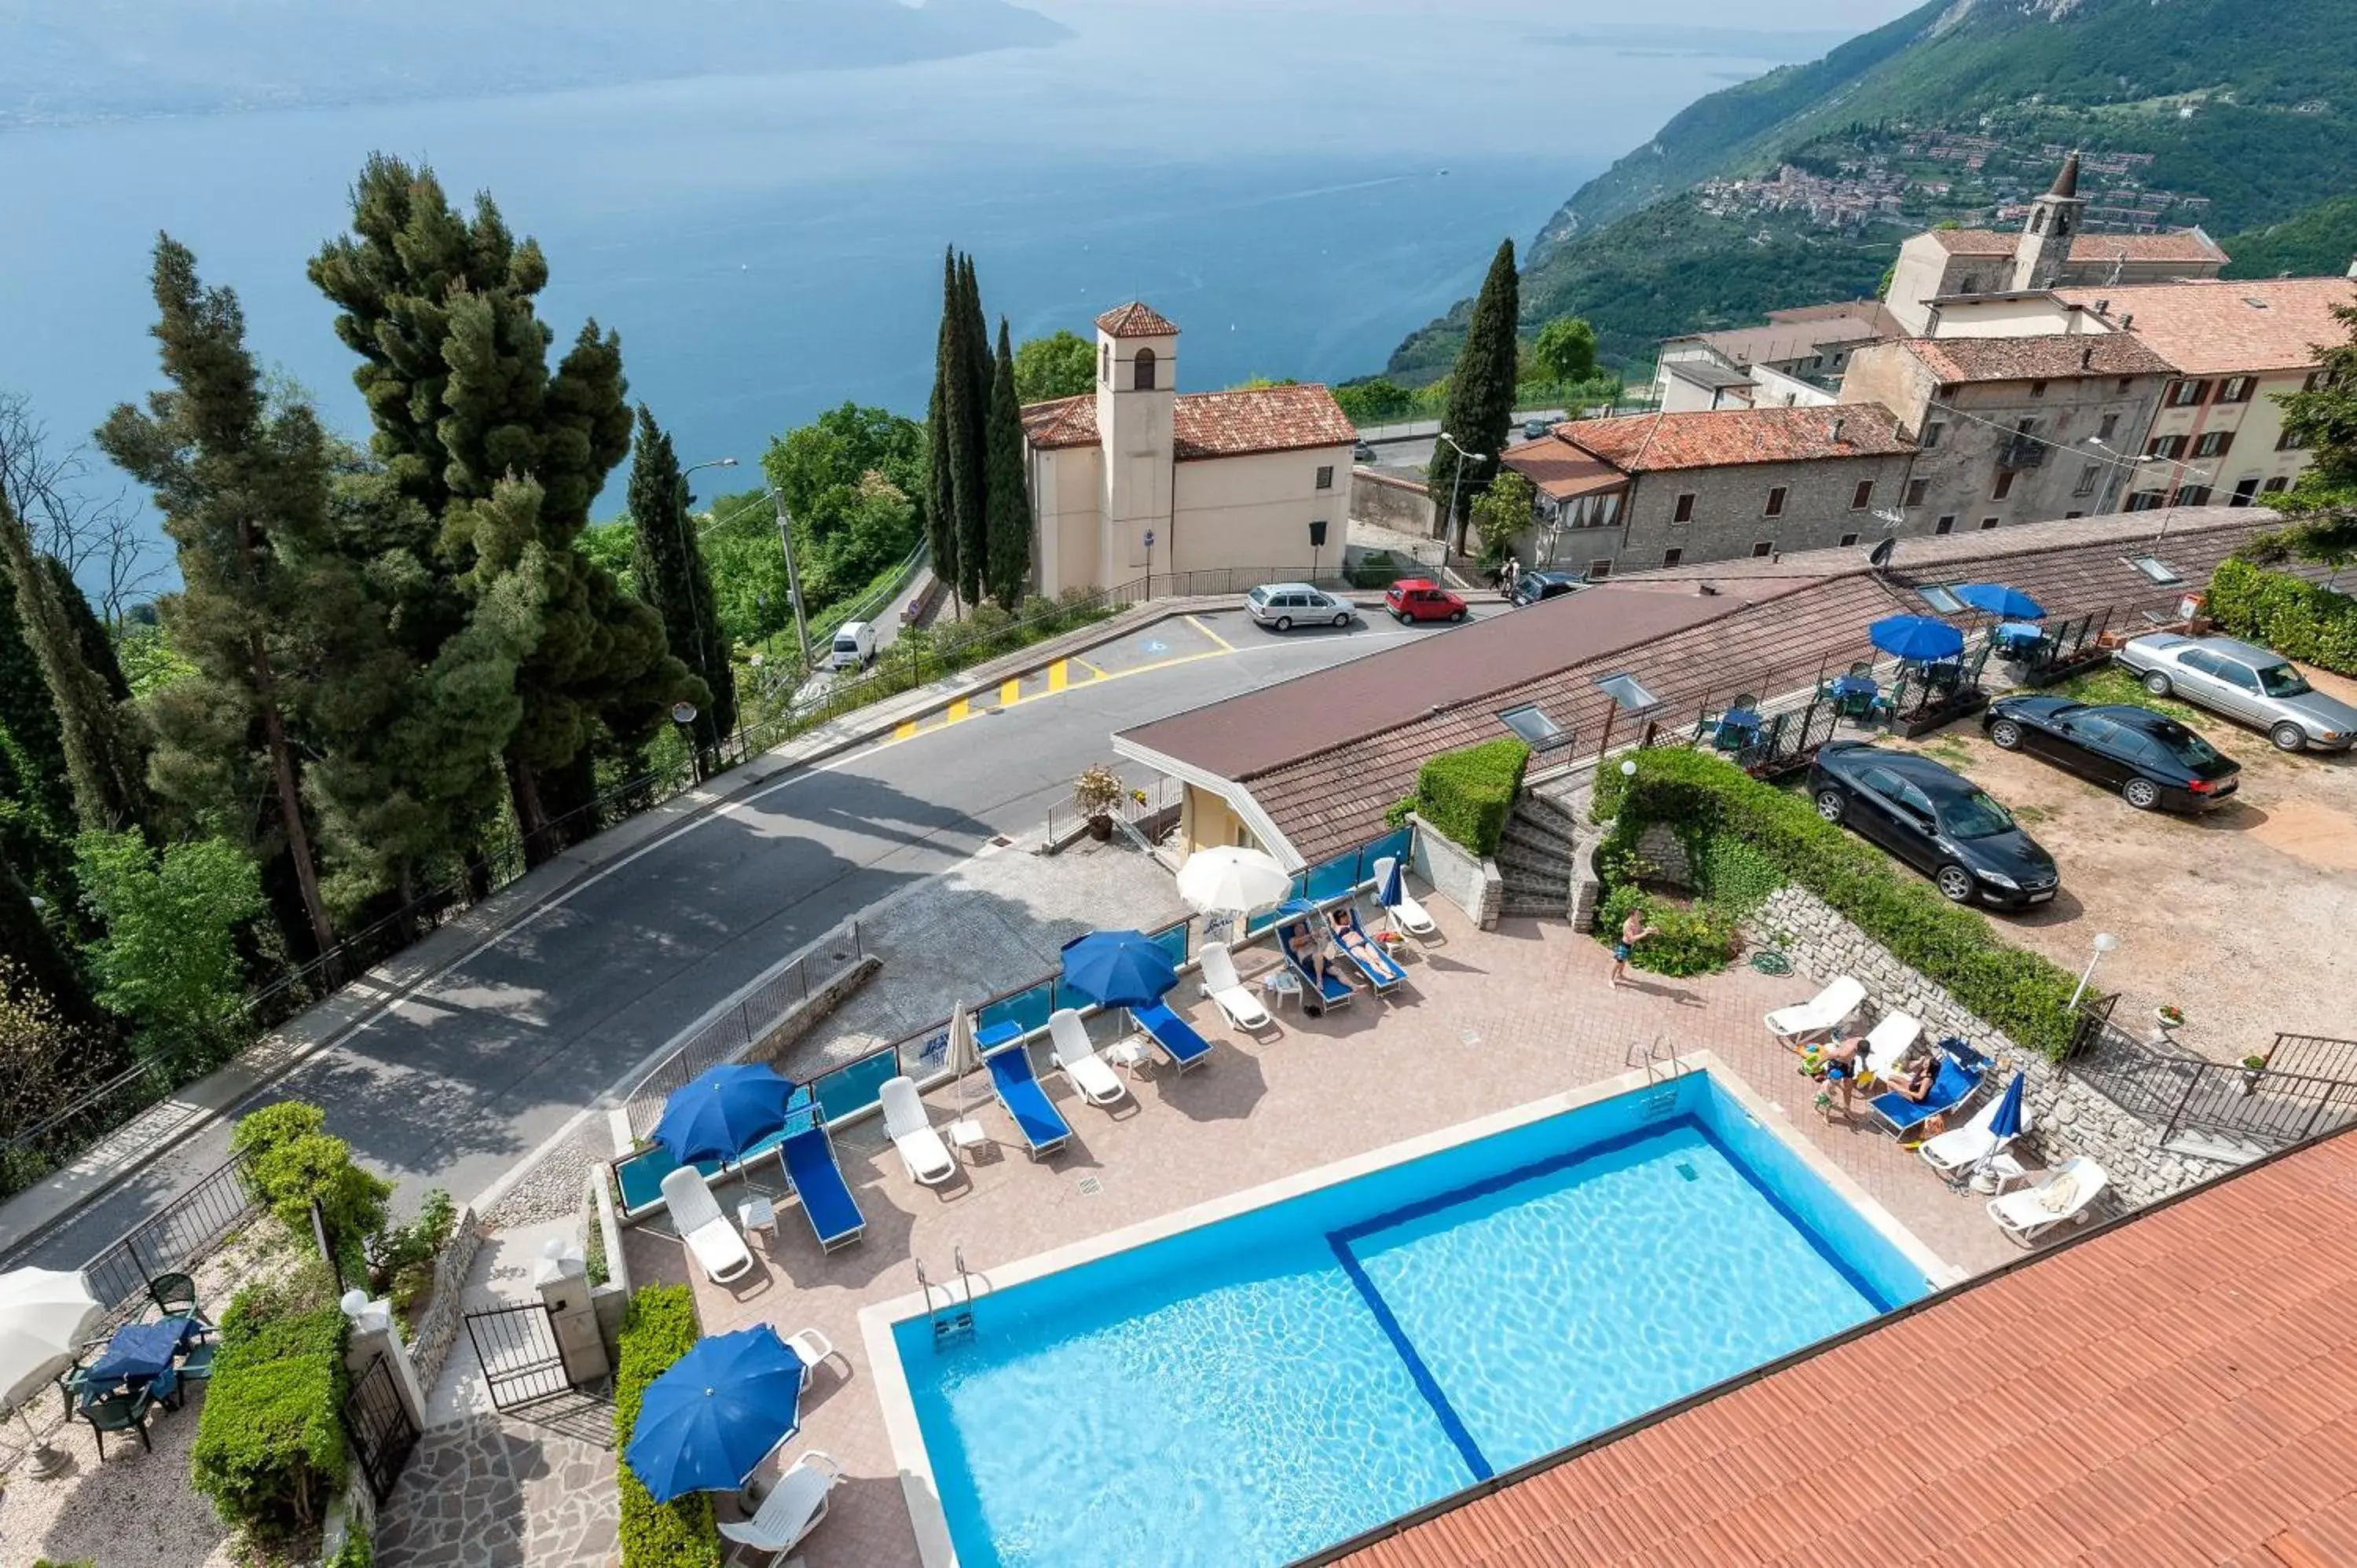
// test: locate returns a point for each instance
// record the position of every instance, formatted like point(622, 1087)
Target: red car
point(1418, 598)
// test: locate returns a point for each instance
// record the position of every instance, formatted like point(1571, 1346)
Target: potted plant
point(2252, 1068)
point(1095, 793)
point(2170, 1017)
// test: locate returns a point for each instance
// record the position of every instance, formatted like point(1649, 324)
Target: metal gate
point(378, 1424)
point(517, 1349)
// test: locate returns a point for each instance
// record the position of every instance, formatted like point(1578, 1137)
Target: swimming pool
point(1250, 1389)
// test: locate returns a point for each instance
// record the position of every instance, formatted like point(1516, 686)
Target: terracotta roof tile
point(1974, 242)
point(2015, 1492)
point(1136, 319)
point(2220, 328)
point(2053, 357)
point(2190, 246)
point(1561, 470)
point(1067, 421)
point(1652, 443)
point(1210, 424)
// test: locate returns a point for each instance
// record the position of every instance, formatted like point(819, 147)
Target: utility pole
point(793, 584)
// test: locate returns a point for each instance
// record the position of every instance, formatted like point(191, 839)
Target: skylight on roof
point(1629, 692)
point(1942, 601)
point(1542, 732)
point(2158, 570)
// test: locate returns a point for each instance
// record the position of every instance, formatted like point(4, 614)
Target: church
point(1198, 492)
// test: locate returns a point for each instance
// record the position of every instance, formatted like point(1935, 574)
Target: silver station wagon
point(2243, 682)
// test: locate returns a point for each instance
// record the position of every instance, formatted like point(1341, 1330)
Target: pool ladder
point(1662, 1069)
point(954, 1318)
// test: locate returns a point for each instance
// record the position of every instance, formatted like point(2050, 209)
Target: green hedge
point(660, 1328)
point(2296, 618)
point(1705, 798)
point(269, 1451)
point(1466, 795)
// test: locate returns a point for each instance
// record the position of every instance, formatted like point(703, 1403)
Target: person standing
point(1633, 929)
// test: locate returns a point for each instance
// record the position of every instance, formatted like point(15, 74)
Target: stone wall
point(1388, 503)
point(2067, 1117)
point(1471, 882)
point(431, 1346)
point(805, 1015)
point(1665, 856)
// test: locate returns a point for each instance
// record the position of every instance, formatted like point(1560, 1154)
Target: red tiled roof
point(1561, 470)
point(2180, 1387)
point(1974, 242)
point(2052, 357)
point(1652, 443)
point(1067, 421)
point(2215, 328)
point(1136, 319)
point(2188, 245)
point(1210, 424)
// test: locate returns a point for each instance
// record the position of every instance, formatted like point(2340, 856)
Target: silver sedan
point(2247, 682)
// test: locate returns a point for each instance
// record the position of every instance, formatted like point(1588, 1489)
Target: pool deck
point(1495, 1020)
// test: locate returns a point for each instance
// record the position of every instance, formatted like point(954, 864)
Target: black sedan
point(2150, 758)
point(1938, 821)
point(1533, 586)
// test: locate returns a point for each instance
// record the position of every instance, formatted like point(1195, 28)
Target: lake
point(1296, 189)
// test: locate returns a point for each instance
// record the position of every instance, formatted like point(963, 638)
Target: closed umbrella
point(1388, 891)
point(1118, 969)
point(724, 1110)
point(964, 1055)
point(45, 1315)
point(2006, 1123)
point(715, 1414)
point(1996, 599)
point(1918, 639)
point(1224, 880)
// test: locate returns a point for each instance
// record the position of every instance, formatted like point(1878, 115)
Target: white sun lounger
point(1889, 1041)
point(793, 1508)
point(1227, 990)
point(1821, 1014)
point(928, 1159)
point(1955, 1153)
point(1068, 1041)
point(696, 1214)
point(2067, 1193)
point(1407, 914)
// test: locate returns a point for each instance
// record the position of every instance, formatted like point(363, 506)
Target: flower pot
point(1101, 829)
point(2250, 1081)
point(2166, 1022)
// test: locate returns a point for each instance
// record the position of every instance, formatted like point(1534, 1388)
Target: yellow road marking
point(1058, 673)
point(961, 709)
point(1010, 693)
point(1087, 666)
point(1197, 622)
point(906, 730)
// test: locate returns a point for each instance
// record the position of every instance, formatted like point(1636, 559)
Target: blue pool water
point(1248, 1391)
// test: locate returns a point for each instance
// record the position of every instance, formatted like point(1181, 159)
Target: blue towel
point(1176, 1036)
point(809, 1159)
point(1036, 1116)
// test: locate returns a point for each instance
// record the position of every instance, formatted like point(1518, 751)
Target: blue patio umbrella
point(722, 1112)
point(715, 1414)
point(1996, 599)
point(1119, 968)
point(1916, 638)
point(2006, 1123)
point(1388, 895)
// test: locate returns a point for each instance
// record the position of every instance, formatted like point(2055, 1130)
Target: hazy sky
point(1786, 15)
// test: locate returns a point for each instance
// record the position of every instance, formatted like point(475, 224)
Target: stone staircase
point(1538, 858)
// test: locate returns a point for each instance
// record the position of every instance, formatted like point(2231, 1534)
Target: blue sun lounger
point(1957, 1083)
point(1172, 1035)
point(1035, 1115)
point(808, 1158)
point(1336, 993)
point(1382, 971)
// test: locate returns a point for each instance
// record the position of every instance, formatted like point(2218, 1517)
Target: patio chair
point(1407, 915)
point(1819, 1015)
point(793, 1508)
point(120, 1412)
point(1957, 1152)
point(1887, 1043)
point(1067, 1043)
point(810, 1347)
point(807, 1157)
point(1332, 991)
point(1367, 956)
point(1955, 1084)
point(2067, 1194)
point(927, 1158)
point(1042, 1126)
point(1228, 992)
point(696, 1214)
point(176, 1296)
point(1172, 1035)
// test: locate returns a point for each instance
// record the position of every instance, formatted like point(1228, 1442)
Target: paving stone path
point(493, 1492)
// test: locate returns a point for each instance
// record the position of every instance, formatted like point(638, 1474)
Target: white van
point(854, 646)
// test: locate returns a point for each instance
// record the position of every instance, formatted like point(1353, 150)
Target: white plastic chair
point(1407, 915)
point(928, 1159)
point(1227, 990)
point(1957, 1152)
point(795, 1508)
point(1068, 1041)
point(1821, 1014)
point(1887, 1043)
point(810, 1347)
point(2065, 1195)
point(696, 1214)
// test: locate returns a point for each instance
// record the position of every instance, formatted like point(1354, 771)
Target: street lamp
point(1455, 482)
point(786, 544)
point(682, 714)
point(2105, 942)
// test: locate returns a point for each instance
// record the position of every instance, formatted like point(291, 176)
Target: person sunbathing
point(1306, 951)
point(1353, 940)
point(1917, 1077)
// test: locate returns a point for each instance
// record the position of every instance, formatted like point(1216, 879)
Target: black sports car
point(2150, 758)
point(1936, 820)
point(1533, 586)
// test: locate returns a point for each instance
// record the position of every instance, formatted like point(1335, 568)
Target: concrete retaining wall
point(1471, 882)
point(1397, 504)
point(799, 1020)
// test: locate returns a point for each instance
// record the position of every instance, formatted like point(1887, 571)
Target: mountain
point(1796, 188)
point(107, 58)
point(2319, 241)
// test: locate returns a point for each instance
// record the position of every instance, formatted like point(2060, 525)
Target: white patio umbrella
point(45, 1315)
point(1224, 880)
point(964, 1057)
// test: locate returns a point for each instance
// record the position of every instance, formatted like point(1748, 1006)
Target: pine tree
point(671, 576)
point(2323, 419)
point(974, 502)
point(105, 756)
point(242, 488)
point(1481, 396)
point(1008, 497)
point(941, 493)
point(455, 370)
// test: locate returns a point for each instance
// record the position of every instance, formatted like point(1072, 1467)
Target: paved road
point(476, 1069)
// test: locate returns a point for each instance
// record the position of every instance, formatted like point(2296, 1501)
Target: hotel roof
point(2179, 1386)
point(2213, 327)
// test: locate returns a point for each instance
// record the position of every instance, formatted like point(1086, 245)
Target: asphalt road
point(480, 1066)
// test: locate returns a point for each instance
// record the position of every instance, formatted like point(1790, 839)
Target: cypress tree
point(36, 820)
point(265, 600)
point(671, 577)
point(1009, 499)
point(1481, 395)
point(25, 937)
point(90, 632)
point(940, 491)
point(455, 370)
point(965, 423)
point(974, 543)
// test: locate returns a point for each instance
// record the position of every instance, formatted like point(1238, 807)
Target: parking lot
point(2242, 918)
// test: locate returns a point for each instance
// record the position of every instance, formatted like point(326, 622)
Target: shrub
point(1698, 940)
point(275, 1124)
point(2023, 994)
point(269, 1451)
point(1380, 570)
point(1466, 794)
point(660, 1328)
point(355, 1551)
point(401, 1260)
point(2297, 619)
